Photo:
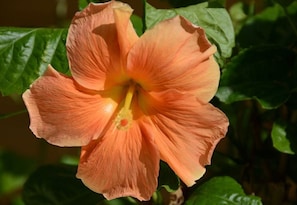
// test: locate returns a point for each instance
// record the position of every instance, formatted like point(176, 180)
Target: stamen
point(124, 118)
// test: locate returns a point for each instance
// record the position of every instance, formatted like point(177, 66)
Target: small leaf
point(221, 190)
point(25, 54)
point(137, 24)
point(264, 73)
point(282, 138)
point(167, 178)
point(57, 185)
point(84, 3)
point(215, 21)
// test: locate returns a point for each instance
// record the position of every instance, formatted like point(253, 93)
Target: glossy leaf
point(221, 191)
point(56, 185)
point(25, 54)
point(215, 21)
point(264, 73)
point(284, 137)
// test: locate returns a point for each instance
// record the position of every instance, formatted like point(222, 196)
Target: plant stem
point(4, 116)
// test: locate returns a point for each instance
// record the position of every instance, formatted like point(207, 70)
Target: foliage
point(221, 190)
point(257, 45)
point(25, 54)
point(265, 73)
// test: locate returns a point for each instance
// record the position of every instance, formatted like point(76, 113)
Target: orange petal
point(126, 33)
point(175, 54)
point(121, 163)
point(185, 132)
point(96, 42)
point(64, 113)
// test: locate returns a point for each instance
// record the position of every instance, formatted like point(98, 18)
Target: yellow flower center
point(124, 118)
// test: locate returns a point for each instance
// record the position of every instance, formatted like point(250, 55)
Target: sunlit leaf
point(221, 191)
point(284, 137)
point(264, 73)
point(25, 54)
point(56, 185)
point(215, 21)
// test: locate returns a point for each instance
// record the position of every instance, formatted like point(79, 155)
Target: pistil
point(124, 118)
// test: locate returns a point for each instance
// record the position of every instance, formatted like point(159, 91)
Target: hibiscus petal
point(175, 54)
point(126, 33)
point(95, 44)
point(185, 131)
point(121, 163)
point(64, 113)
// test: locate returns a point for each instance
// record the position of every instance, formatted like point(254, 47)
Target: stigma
point(124, 117)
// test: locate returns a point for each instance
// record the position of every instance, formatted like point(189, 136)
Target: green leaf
point(284, 137)
point(264, 73)
point(137, 24)
point(57, 185)
point(82, 4)
point(221, 191)
point(215, 21)
point(25, 54)
point(270, 26)
point(167, 178)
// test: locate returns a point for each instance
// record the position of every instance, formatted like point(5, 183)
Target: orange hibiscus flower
point(131, 101)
